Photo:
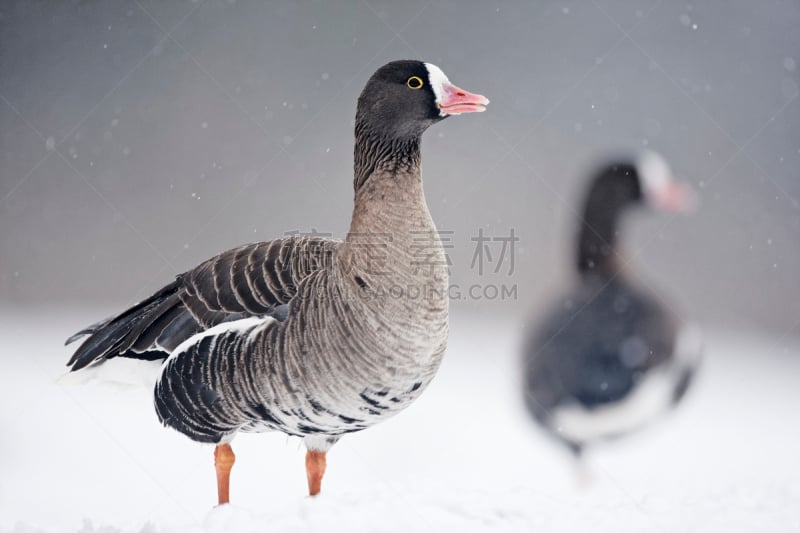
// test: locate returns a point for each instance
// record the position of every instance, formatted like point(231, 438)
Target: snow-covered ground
point(92, 457)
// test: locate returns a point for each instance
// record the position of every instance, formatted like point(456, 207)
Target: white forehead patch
point(438, 80)
point(654, 173)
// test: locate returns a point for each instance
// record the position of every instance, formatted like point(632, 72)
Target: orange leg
point(223, 462)
point(315, 469)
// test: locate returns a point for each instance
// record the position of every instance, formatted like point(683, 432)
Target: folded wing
point(253, 280)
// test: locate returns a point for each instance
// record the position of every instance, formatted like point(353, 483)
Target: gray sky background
point(138, 138)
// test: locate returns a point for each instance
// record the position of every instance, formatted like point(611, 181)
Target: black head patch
point(617, 185)
point(399, 100)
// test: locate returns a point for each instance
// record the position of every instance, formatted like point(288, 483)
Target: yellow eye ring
point(415, 82)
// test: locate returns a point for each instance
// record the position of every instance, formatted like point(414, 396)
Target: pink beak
point(674, 196)
point(456, 101)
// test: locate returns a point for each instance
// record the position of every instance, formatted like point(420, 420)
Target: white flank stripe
point(650, 397)
point(239, 326)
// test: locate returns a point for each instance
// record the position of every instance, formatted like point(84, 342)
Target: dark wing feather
point(147, 338)
point(252, 280)
point(107, 338)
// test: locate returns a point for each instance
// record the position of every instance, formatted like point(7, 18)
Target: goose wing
point(249, 281)
point(594, 351)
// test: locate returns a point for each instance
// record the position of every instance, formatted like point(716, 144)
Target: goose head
point(643, 180)
point(403, 98)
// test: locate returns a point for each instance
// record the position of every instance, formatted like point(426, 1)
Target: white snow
point(89, 458)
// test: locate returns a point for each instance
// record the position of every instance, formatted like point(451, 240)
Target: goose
point(611, 356)
point(309, 336)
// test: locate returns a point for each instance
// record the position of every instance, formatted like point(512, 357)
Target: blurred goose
point(614, 357)
point(305, 335)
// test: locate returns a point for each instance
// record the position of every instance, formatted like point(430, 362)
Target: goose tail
point(116, 335)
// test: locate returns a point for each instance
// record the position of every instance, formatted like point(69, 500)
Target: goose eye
point(414, 82)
